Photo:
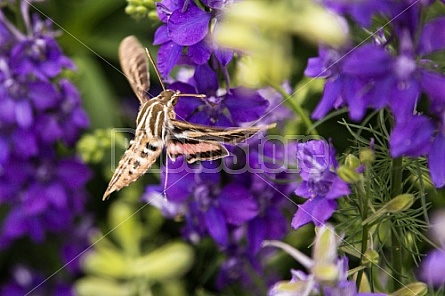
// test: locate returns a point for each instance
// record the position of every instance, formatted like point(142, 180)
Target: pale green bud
point(399, 203)
point(371, 257)
point(413, 289)
point(351, 161)
point(367, 156)
point(347, 174)
point(153, 15)
point(326, 245)
point(142, 10)
point(130, 9)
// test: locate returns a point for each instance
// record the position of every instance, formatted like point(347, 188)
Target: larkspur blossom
point(239, 210)
point(320, 183)
point(394, 75)
point(187, 25)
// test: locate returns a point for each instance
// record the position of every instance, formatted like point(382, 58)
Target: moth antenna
point(191, 95)
point(155, 67)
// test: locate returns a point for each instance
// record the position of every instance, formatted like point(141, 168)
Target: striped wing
point(139, 157)
point(134, 63)
point(184, 130)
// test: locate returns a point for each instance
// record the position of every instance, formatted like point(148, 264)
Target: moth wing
point(195, 150)
point(134, 63)
point(180, 130)
point(137, 159)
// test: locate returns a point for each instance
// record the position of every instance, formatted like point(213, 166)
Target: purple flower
point(219, 108)
point(186, 25)
point(212, 209)
point(320, 184)
point(433, 268)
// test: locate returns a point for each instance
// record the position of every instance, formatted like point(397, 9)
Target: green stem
point(396, 252)
point(296, 108)
point(365, 232)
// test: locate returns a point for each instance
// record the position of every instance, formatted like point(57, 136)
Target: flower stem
point(289, 99)
point(396, 252)
point(364, 244)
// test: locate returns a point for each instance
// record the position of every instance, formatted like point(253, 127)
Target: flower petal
point(367, 61)
point(332, 92)
point(23, 114)
point(168, 55)
point(245, 104)
point(199, 52)
point(317, 210)
point(411, 137)
point(436, 161)
point(206, 80)
point(237, 204)
point(216, 225)
point(161, 35)
point(433, 37)
point(190, 27)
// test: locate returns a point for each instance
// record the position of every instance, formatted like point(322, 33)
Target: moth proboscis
point(157, 126)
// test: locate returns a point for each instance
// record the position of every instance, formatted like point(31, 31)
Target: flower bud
point(371, 257)
point(347, 174)
point(367, 156)
point(325, 247)
point(351, 161)
point(141, 10)
point(399, 203)
point(417, 288)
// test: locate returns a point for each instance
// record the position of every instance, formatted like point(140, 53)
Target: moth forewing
point(134, 63)
point(137, 159)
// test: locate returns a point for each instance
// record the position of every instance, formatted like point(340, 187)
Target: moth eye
point(174, 100)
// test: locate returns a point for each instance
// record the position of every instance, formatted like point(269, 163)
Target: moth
point(157, 126)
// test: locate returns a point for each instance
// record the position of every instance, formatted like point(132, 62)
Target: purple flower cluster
point(320, 183)
point(185, 37)
point(393, 71)
point(41, 192)
point(238, 210)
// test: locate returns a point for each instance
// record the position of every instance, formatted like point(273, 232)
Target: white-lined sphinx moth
point(156, 124)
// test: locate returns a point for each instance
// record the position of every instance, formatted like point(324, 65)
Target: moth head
point(170, 97)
